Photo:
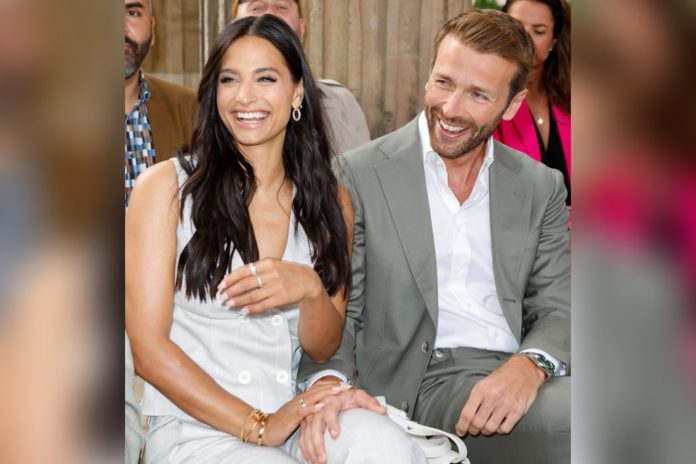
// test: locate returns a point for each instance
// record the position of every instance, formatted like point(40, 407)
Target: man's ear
point(514, 105)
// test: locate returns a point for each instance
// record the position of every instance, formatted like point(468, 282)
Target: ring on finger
point(258, 280)
point(303, 403)
point(252, 268)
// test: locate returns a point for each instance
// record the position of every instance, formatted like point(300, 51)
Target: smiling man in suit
point(459, 311)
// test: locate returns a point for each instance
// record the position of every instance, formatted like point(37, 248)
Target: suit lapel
point(403, 182)
point(510, 210)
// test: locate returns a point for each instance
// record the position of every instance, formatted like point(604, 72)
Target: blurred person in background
point(238, 262)
point(634, 262)
point(345, 117)
point(541, 127)
point(159, 115)
point(48, 384)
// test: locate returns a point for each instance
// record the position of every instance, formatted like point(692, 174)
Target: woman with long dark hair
point(541, 127)
point(237, 262)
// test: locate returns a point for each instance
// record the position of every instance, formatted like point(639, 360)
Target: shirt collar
point(144, 90)
point(430, 155)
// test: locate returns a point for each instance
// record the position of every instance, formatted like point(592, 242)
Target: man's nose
point(453, 107)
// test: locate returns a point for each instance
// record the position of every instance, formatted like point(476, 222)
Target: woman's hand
point(314, 426)
point(282, 423)
point(268, 284)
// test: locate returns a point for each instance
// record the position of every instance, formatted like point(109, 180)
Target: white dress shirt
point(469, 312)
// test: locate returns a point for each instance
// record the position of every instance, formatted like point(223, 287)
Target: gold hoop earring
point(297, 114)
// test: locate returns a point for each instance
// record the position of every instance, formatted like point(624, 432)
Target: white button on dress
point(282, 376)
point(244, 377)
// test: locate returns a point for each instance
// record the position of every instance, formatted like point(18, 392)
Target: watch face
point(542, 362)
point(546, 363)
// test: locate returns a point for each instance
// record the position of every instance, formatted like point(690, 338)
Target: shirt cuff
point(560, 368)
point(312, 379)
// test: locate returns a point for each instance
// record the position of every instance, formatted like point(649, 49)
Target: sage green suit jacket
point(392, 312)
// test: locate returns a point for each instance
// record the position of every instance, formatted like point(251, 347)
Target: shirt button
point(282, 376)
point(438, 353)
point(277, 320)
point(244, 318)
point(496, 334)
point(425, 346)
point(244, 377)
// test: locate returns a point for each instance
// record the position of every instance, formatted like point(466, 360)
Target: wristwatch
point(541, 362)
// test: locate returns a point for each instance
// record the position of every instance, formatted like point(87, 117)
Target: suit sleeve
point(348, 124)
point(344, 359)
point(359, 133)
point(546, 303)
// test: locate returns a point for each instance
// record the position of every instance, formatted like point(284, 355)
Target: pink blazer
point(520, 134)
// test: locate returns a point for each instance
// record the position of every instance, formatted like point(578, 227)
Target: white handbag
point(434, 443)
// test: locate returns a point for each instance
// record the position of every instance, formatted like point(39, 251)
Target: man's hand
point(500, 400)
point(314, 426)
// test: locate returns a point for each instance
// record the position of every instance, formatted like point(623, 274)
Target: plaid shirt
point(139, 152)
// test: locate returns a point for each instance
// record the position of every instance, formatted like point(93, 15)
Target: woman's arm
point(150, 247)
point(322, 317)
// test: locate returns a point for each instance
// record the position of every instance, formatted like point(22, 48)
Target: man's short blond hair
point(491, 31)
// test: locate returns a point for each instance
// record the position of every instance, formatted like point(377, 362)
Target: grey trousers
point(366, 438)
point(541, 436)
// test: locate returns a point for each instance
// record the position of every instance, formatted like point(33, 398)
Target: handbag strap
point(436, 444)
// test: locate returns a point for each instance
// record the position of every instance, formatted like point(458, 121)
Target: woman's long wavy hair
point(221, 181)
point(556, 77)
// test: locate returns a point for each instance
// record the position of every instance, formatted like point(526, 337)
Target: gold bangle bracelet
point(262, 429)
point(246, 419)
point(251, 430)
point(255, 414)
